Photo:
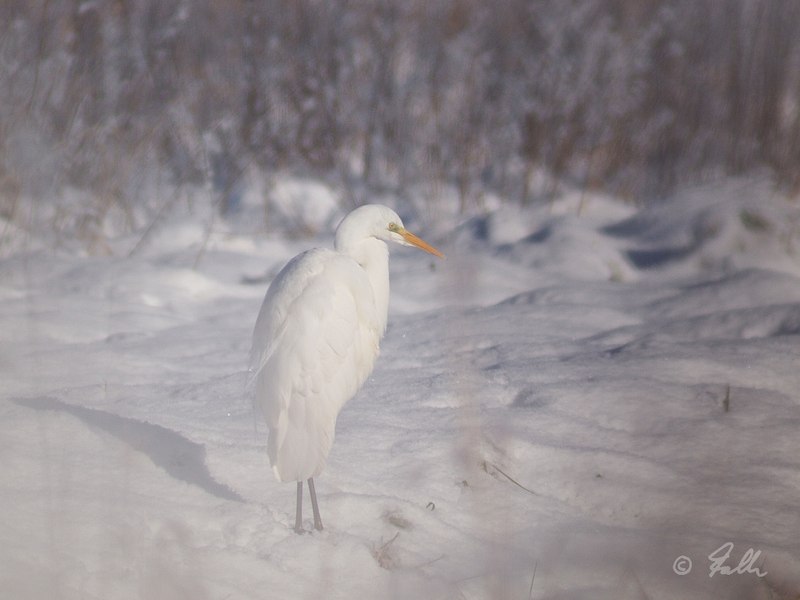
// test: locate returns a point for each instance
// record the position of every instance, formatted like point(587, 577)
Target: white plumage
point(316, 340)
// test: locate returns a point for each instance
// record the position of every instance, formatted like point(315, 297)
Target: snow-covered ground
point(576, 397)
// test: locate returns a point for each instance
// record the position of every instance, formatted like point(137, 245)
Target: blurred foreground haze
point(599, 384)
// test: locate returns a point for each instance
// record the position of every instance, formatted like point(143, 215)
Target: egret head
point(381, 222)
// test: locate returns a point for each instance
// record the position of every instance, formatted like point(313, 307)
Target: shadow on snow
point(179, 457)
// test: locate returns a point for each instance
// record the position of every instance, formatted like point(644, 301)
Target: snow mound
point(578, 396)
point(727, 227)
point(302, 206)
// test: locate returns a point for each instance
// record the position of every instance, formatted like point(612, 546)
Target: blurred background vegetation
point(114, 99)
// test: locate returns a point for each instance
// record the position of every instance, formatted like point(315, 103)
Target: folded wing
point(314, 344)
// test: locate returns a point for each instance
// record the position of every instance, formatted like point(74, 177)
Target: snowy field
point(576, 397)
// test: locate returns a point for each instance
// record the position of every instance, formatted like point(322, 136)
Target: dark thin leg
point(298, 519)
point(314, 506)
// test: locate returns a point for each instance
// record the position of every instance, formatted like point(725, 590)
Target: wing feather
point(314, 344)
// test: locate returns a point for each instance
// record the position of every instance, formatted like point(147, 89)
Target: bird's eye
point(393, 227)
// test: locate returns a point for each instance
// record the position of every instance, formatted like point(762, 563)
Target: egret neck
point(373, 256)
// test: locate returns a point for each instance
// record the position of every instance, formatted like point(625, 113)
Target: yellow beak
point(419, 243)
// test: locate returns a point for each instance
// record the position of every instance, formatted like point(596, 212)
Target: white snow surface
point(577, 396)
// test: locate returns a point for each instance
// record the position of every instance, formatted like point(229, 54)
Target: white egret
point(316, 340)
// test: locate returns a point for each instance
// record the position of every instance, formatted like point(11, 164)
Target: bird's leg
point(298, 519)
point(314, 505)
